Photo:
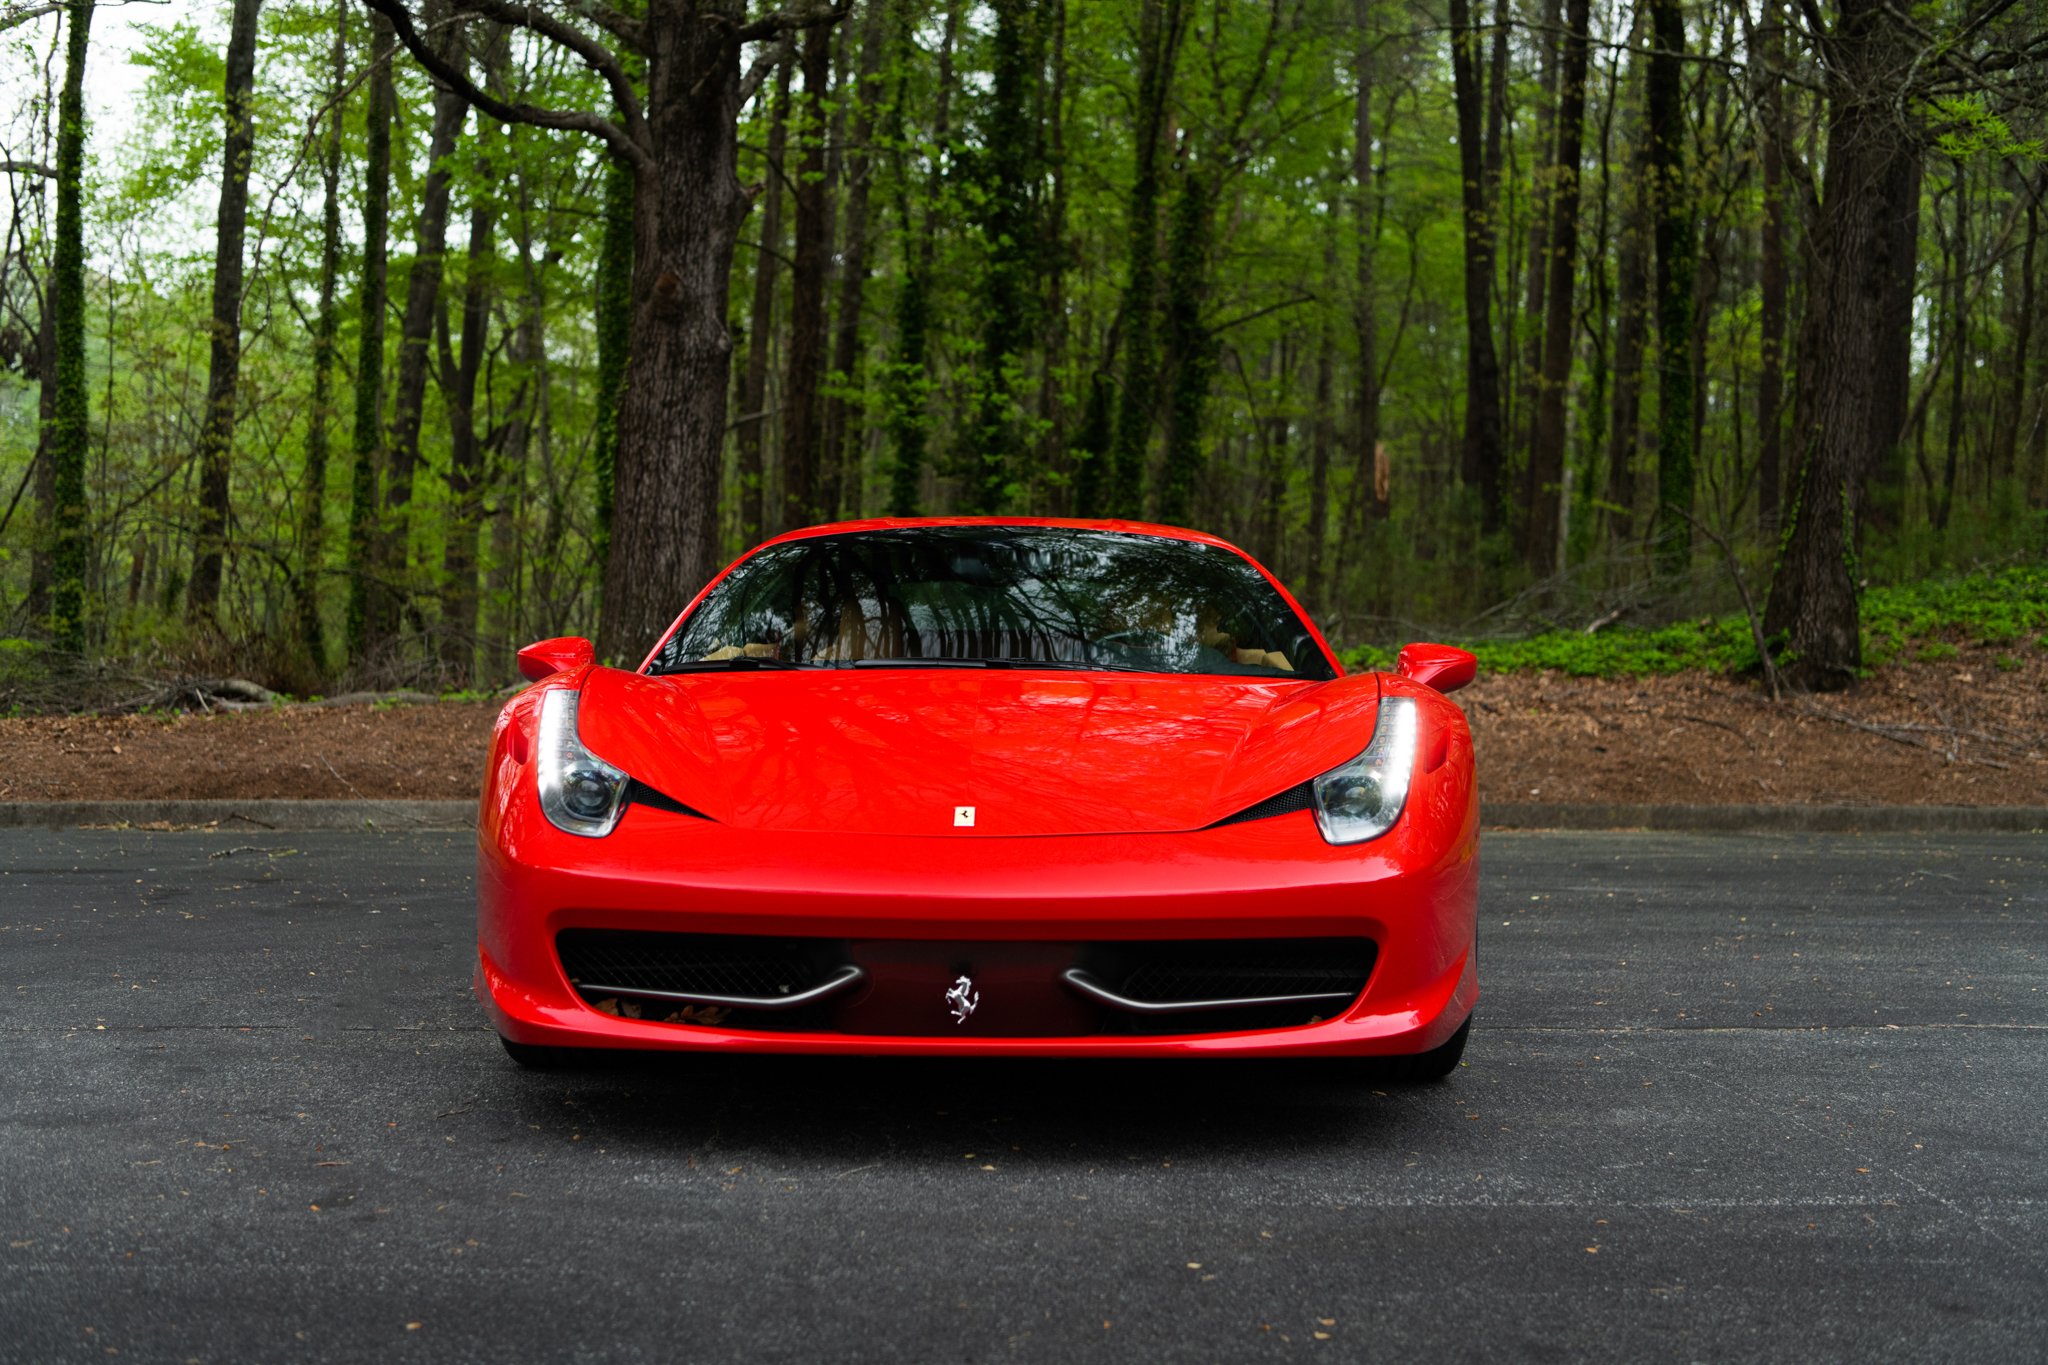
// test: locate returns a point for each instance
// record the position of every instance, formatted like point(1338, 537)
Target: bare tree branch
point(28, 168)
point(627, 142)
point(594, 54)
point(15, 18)
point(778, 22)
point(764, 66)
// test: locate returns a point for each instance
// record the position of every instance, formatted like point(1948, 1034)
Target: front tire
point(1435, 1064)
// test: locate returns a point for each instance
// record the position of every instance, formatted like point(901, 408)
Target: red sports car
point(1000, 786)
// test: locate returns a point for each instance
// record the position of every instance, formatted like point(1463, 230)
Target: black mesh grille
point(1285, 803)
point(1233, 970)
point(708, 964)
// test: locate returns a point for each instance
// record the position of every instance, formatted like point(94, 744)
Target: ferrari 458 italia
point(1000, 786)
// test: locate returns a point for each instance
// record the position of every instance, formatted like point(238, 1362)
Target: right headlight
point(1363, 798)
point(580, 793)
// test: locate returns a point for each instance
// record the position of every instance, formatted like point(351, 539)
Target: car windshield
point(1002, 596)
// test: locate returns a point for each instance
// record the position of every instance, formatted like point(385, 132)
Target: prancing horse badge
point(963, 816)
point(963, 998)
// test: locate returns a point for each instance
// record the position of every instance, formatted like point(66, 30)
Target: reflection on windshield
point(1000, 596)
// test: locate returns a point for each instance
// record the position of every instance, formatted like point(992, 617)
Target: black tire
point(539, 1058)
point(1434, 1064)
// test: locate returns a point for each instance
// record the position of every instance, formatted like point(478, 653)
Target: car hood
point(897, 751)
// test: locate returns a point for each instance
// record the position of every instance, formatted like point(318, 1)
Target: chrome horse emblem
point(963, 999)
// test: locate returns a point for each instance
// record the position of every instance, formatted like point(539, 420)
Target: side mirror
point(544, 658)
point(1444, 667)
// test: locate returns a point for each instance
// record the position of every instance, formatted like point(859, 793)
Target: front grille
point(707, 964)
point(901, 987)
point(1200, 971)
point(1233, 969)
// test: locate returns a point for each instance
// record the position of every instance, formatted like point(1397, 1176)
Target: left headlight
point(580, 793)
point(1362, 799)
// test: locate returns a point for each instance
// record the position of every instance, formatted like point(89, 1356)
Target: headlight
point(580, 793)
point(1363, 799)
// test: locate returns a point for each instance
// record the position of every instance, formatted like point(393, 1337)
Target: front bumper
point(1413, 892)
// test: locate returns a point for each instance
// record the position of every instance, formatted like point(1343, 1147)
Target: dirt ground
point(1960, 732)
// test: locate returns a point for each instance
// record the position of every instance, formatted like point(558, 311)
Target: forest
point(366, 340)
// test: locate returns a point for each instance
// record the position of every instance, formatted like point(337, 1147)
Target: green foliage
point(1987, 608)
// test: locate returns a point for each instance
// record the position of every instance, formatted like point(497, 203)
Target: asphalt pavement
point(1729, 1097)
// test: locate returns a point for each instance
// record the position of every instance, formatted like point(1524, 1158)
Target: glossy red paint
point(563, 654)
point(1444, 667)
point(829, 795)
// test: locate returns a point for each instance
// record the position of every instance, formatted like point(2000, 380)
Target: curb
point(1535, 815)
point(253, 815)
point(1501, 815)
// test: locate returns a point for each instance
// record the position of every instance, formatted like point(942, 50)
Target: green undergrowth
point(1926, 620)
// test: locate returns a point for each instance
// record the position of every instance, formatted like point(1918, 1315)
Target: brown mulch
point(1960, 732)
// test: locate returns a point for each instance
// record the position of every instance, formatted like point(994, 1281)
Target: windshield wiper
point(742, 663)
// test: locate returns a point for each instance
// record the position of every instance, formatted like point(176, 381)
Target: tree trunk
point(1009, 244)
point(1543, 171)
point(1159, 26)
point(909, 375)
point(807, 279)
point(1813, 591)
point(1958, 342)
point(1772, 279)
point(224, 367)
point(1482, 443)
point(1363, 504)
point(69, 548)
point(1190, 349)
point(1631, 333)
point(365, 617)
point(688, 206)
point(1545, 549)
point(313, 496)
point(614, 321)
point(415, 334)
point(466, 471)
point(753, 415)
point(2022, 344)
point(842, 429)
point(1676, 249)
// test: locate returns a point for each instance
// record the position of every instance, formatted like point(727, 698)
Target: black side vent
point(638, 793)
point(1286, 803)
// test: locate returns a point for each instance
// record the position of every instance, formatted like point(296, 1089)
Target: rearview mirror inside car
point(1444, 667)
point(543, 658)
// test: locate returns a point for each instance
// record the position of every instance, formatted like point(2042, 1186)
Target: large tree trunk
point(1813, 592)
point(69, 550)
point(1676, 238)
point(752, 422)
point(1190, 349)
point(415, 333)
point(313, 494)
point(365, 591)
point(1482, 444)
point(688, 206)
point(1545, 545)
point(224, 367)
point(807, 279)
point(2020, 367)
point(1159, 26)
